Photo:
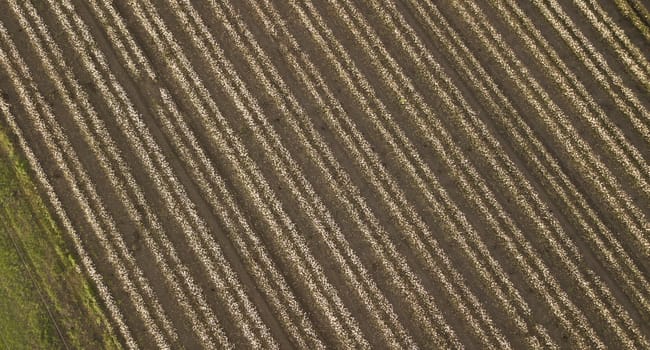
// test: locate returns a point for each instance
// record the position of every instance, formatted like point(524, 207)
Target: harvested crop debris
point(344, 173)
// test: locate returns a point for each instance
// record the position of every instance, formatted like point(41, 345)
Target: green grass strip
point(46, 302)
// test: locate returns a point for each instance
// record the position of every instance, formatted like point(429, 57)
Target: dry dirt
point(345, 173)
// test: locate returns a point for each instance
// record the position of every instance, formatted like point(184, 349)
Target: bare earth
point(344, 173)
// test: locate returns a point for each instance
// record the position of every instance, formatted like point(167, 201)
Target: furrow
point(116, 30)
point(630, 12)
point(433, 141)
point(513, 294)
point(276, 278)
point(605, 294)
point(192, 213)
point(551, 222)
point(89, 201)
point(86, 261)
point(384, 55)
point(208, 180)
point(489, 279)
point(346, 317)
point(351, 174)
point(365, 166)
point(184, 275)
point(274, 212)
point(172, 203)
point(634, 60)
point(287, 94)
point(576, 148)
point(551, 172)
point(327, 176)
point(311, 211)
point(570, 265)
point(642, 298)
point(631, 161)
point(106, 138)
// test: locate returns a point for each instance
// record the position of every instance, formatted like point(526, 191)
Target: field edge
point(64, 301)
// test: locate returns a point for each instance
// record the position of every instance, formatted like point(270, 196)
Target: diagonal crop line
point(344, 173)
point(555, 171)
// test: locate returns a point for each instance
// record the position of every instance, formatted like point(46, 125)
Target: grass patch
point(46, 302)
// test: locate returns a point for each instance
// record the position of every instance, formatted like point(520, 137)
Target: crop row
point(406, 245)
